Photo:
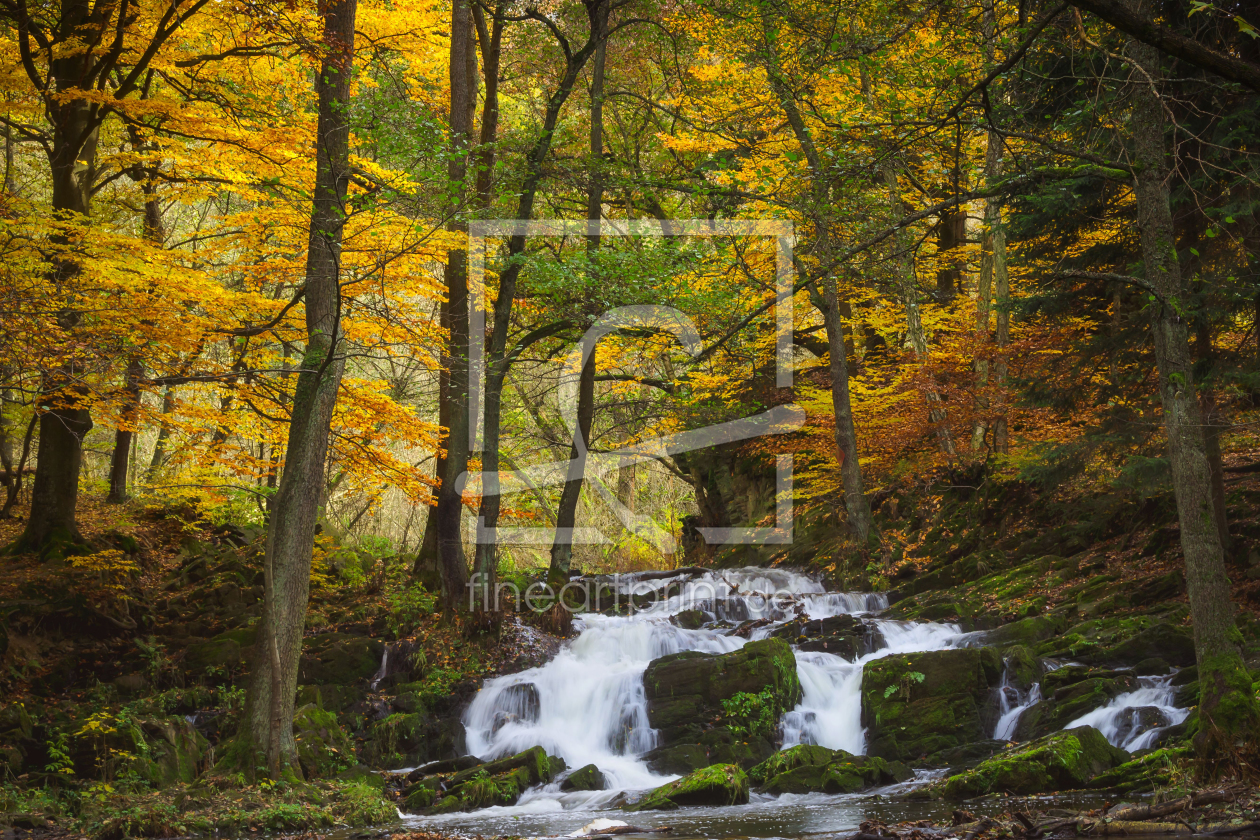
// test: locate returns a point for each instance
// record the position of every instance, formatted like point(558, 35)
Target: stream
point(588, 706)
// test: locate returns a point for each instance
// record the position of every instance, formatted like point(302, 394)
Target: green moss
point(803, 755)
point(1060, 761)
point(720, 784)
point(1228, 711)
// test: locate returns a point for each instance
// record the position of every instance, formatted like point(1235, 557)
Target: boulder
point(1060, 761)
point(498, 782)
point(323, 747)
point(339, 659)
point(680, 759)
point(815, 769)
point(843, 635)
point(1026, 631)
point(721, 784)
point(168, 750)
point(584, 778)
point(213, 653)
point(917, 704)
point(1168, 642)
point(685, 691)
point(689, 619)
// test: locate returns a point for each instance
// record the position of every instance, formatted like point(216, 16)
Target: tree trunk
point(1227, 708)
point(486, 563)
point(121, 457)
point(856, 504)
point(267, 729)
point(448, 515)
point(65, 420)
point(426, 555)
point(164, 432)
point(566, 511)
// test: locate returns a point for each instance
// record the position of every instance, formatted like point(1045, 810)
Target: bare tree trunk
point(992, 258)
point(1227, 707)
point(267, 728)
point(14, 487)
point(164, 432)
point(121, 456)
point(486, 565)
point(448, 515)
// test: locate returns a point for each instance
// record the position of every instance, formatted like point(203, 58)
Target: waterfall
point(1011, 704)
point(830, 711)
point(1133, 720)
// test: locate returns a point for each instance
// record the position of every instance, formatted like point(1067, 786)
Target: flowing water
point(1132, 721)
point(587, 705)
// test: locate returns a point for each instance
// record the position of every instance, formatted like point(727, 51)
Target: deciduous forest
point(552, 418)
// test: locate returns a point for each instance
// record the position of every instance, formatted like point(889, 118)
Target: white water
point(591, 707)
point(1011, 704)
point(1133, 720)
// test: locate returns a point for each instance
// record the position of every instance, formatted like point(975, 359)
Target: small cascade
point(1012, 701)
point(382, 671)
point(1133, 720)
point(830, 711)
point(588, 706)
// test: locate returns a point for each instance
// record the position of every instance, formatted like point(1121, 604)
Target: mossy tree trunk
point(1228, 714)
point(267, 729)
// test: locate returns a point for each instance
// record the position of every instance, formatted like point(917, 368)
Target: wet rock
point(815, 769)
point(679, 759)
point(685, 690)
point(584, 778)
point(689, 619)
point(1141, 719)
point(517, 704)
point(1026, 631)
point(1153, 667)
point(1068, 696)
point(1059, 761)
point(967, 755)
point(721, 784)
point(499, 782)
point(917, 704)
point(843, 635)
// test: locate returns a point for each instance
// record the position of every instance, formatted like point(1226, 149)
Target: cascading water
point(587, 705)
point(1011, 704)
point(1133, 720)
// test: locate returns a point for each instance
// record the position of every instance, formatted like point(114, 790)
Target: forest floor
point(123, 670)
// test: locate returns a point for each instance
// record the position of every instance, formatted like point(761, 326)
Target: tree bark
point(164, 432)
point(123, 436)
point(267, 728)
point(1227, 708)
point(448, 515)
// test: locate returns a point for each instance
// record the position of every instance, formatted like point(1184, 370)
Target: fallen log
point(1146, 812)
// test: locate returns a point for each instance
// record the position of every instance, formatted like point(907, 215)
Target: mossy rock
point(1173, 644)
point(323, 747)
point(499, 782)
point(339, 659)
point(1027, 631)
point(169, 750)
point(802, 755)
point(1066, 760)
point(1158, 769)
point(720, 784)
point(584, 778)
point(814, 769)
point(214, 653)
point(917, 704)
point(1022, 667)
point(331, 698)
point(678, 759)
point(361, 774)
point(685, 690)
point(689, 619)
